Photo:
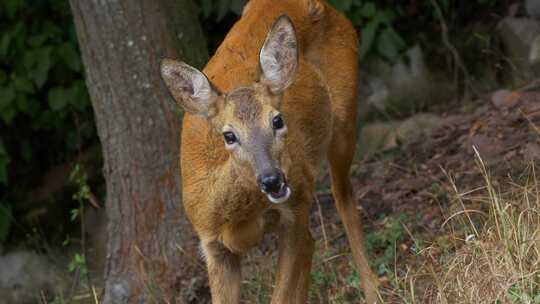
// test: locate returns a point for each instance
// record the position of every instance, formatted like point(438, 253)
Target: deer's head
point(249, 118)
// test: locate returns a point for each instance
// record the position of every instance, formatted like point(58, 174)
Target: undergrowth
point(492, 254)
point(494, 258)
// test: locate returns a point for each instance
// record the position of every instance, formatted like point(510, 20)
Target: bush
point(45, 113)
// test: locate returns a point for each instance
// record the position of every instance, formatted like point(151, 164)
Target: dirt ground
point(407, 194)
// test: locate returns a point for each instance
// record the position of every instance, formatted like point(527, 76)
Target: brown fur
point(221, 197)
point(247, 108)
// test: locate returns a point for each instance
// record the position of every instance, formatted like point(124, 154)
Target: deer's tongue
point(281, 195)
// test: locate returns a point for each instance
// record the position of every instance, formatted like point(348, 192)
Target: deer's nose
point(271, 181)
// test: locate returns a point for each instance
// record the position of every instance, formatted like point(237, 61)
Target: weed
point(78, 264)
point(495, 260)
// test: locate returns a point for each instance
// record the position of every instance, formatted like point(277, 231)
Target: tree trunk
point(138, 124)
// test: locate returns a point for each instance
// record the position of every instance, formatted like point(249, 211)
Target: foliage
point(382, 243)
point(78, 263)
point(58, 299)
point(45, 113)
point(43, 98)
point(4, 161)
point(220, 8)
point(376, 21)
point(377, 33)
point(79, 178)
point(388, 28)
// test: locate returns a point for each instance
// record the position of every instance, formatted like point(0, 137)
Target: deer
point(276, 101)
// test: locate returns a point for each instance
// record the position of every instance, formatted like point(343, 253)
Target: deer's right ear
point(189, 87)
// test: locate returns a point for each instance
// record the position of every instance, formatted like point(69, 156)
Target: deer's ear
point(278, 58)
point(189, 87)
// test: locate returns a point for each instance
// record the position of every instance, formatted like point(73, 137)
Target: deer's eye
point(277, 122)
point(229, 137)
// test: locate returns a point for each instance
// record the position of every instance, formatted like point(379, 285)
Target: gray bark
point(138, 124)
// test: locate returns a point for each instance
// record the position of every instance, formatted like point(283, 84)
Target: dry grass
point(496, 260)
point(492, 254)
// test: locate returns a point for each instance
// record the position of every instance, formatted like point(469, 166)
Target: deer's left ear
point(278, 58)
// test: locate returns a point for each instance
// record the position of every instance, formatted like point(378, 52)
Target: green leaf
point(6, 218)
point(69, 56)
point(26, 150)
point(389, 44)
point(341, 5)
point(385, 16)
point(12, 6)
point(37, 40)
point(223, 9)
point(34, 108)
point(4, 44)
point(28, 60)
point(42, 65)
point(368, 10)
point(74, 214)
point(237, 6)
point(23, 84)
point(367, 37)
point(7, 95)
point(396, 38)
point(4, 162)
point(206, 8)
point(7, 109)
point(78, 96)
point(3, 77)
point(67, 241)
point(18, 36)
point(22, 103)
point(78, 262)
point(51, 30)
point(8, 114)
point(446, 5)
point(58, 98)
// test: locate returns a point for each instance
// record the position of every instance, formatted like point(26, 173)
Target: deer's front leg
point(296, 247)
point(224, 273)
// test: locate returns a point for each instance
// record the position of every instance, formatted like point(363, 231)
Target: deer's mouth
point(281, 195)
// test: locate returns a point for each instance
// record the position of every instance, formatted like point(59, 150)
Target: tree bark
point(122, 42)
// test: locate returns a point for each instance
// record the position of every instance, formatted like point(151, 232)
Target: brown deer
point(277, 99)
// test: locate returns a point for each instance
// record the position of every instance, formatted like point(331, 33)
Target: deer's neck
point(230, 181)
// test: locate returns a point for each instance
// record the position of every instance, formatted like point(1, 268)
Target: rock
point(534, 53)
point(517, 35)
point(24, 275)
point(533, 8)
point(380, 93)
point(489, 148)
point(532, 151)
point(377, 136)
point(380, 136)
point(481, 110)
point(416, 68)
point(406, 85)
point(513, 9)
point(504, 99)
point(413, 86)
point(417, 125)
